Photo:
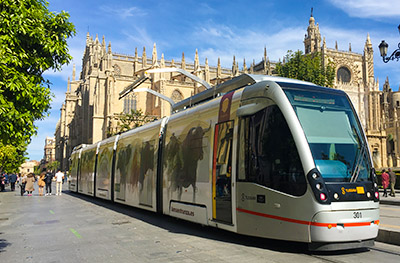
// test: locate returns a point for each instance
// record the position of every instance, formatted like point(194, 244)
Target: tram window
point(271, 156)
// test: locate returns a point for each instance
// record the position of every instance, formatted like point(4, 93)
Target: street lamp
point(383, 48)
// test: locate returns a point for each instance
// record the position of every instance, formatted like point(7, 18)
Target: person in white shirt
point(59, 179)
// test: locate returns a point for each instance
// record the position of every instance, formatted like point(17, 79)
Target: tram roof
point(230, 85)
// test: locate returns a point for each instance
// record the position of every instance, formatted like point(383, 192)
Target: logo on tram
point(358, 190)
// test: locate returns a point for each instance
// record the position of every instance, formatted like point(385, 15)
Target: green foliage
point(53, 166)
point(32, 40)
point(11, 158)
point(132, 120)
point(308, 68)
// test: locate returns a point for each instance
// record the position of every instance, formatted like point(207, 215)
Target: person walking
point(47, 179)
point(59, 180)
point(30, 182)
point(41, 183)
point(22, 181)
point(385, 182)
point(13, 180)
point(392, 176)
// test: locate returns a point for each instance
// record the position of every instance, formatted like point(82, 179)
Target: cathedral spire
point(265, 53)
point(219, 68)
point(183, 61)
point(312, 40)
point(154, 56)
point(144, 58)
point(109, 47)
point(196, 61)
point(234, 67)
point(207, 71)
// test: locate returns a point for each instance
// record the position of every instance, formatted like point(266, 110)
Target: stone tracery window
point(343, 74)
point(176, 96)
point(117, 70)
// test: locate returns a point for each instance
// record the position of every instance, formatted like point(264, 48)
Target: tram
point(258, 155)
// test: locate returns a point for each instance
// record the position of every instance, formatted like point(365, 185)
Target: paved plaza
point(76, 228)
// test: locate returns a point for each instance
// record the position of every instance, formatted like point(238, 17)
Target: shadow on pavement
point(176, 225)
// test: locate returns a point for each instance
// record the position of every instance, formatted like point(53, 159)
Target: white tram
point(257, 155)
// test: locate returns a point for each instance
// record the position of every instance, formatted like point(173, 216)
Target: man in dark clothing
point(47, 179)
point(13, 179)
point(392, 176)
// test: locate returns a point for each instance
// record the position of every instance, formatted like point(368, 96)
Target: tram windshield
point(336, 141)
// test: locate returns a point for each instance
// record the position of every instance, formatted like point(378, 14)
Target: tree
point(132, 120)
point(308, 67)
point(11, 158)
point(53, 166)
point(32, 40)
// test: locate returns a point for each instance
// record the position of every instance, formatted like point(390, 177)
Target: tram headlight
point(314, 176)
point(368, 194)
point(318, 186)
point(377, 195)
point(322, 196)
point(336, 196)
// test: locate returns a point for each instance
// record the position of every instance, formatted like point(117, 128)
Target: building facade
point(355, 76)
point(28, 167)
point(92, 105)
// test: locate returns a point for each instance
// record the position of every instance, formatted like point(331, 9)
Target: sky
point(220, 29)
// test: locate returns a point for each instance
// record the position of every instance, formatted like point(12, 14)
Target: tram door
point(222, 169)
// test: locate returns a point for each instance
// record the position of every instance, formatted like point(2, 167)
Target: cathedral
point(92, 106)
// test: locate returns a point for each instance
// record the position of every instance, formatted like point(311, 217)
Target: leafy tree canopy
point(32, 40)
point(11, 158)
point(308, 67)
point(53, 166)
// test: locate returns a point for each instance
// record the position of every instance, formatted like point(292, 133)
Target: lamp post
point(383, 48)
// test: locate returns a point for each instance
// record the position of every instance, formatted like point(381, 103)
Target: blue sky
point(220, 29)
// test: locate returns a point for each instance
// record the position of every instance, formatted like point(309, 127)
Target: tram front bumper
point(345, 226)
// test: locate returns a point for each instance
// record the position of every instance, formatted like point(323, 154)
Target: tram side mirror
point(250, 109)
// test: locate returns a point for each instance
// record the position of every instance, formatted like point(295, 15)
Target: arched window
point(176, 96)
point(344, 74)
point(117, 70)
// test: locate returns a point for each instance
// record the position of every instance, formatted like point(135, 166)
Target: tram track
point(348, 256)
point(386, 251)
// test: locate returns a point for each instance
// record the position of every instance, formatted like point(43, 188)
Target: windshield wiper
point(357, 166)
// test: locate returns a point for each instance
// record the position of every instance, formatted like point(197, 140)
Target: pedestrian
point(30, 183)
point(385, 182)
point(392, 176)
point(47, 179)
point(22, 185)
point(59, 180)
point(41, 183)
point(13, 180)
point(2, 182)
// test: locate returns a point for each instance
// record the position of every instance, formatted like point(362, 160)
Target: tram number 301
point(357, 215)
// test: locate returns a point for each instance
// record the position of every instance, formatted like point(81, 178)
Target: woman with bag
point(41, 183)
point(30, 181)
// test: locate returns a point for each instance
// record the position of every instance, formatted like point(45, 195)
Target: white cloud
point(124, 12)
point(369, 8)
point(225, 42)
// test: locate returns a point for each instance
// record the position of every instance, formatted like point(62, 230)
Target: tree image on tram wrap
point(135, 169)
point(87, 171)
